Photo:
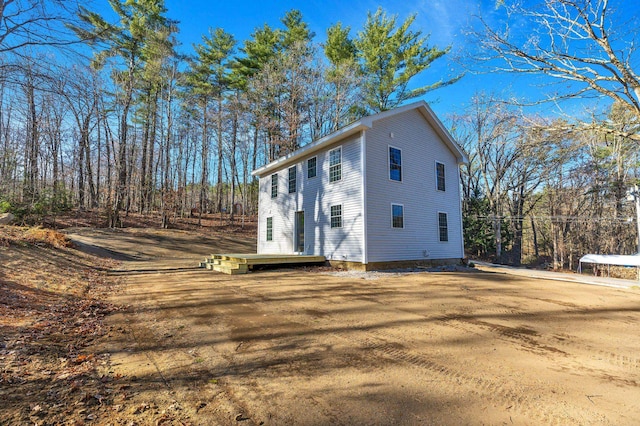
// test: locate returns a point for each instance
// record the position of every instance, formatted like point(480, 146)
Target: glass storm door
point(299, 240)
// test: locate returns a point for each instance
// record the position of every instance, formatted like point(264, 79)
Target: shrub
point(5, 206)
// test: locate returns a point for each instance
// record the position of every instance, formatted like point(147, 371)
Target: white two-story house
point(380, 192)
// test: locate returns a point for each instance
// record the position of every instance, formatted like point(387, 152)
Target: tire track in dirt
point(375, 342)
point(452, 380)
point(567, 342)
point(523, 335)
point(619, 360)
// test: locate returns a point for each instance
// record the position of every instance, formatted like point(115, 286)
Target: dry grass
point(37, 236)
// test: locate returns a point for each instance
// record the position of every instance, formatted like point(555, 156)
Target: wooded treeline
point(141, 127)
point(540, 190)
point(111, 115)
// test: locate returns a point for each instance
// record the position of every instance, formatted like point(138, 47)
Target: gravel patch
point(376, 275)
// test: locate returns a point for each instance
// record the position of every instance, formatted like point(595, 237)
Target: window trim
point(269, 228)
point(389, 163)
point(295, 179)
point(331, 216)
point(339, 164)
point(315, 167)
point(274, 185)
point(446, 216)
point(444, 177)
point(392, 223)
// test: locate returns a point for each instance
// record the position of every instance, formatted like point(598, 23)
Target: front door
point(299, 231)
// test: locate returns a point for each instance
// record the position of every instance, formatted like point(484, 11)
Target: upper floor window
point(292, 179)
point(440, 176)
point(397, 215)
point(336, 216)
point(311, 167)
point(443, 228)
point(335, 164)
point(395, 164)
point(274, 185)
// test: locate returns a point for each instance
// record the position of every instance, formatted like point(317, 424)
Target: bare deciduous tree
point(575, 42)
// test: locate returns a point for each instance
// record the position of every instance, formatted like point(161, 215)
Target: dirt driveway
point(311, 347)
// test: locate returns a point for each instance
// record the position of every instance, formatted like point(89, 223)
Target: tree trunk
point(145, 146)
point(234, 172)
point(121, 165)
point(219, 134)
point(152, 142)
point(536, 249)
point(205, 163)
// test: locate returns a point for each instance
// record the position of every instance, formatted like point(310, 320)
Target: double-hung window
point(440, 176)
point(397, 215)
point(395, 164)
point(336, 216)
point(311, 167)
point(274, 185)
point(443, 228)
point(269, 229)
point(292, 179)
point(335, 164)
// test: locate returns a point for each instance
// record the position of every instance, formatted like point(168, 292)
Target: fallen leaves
point(50, 312)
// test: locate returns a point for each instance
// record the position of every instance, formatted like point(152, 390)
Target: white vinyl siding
point(316, 196)
point(421, 148)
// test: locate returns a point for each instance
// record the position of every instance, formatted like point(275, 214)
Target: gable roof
point(363, 124)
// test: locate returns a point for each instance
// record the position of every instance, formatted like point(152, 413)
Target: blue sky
point(445, 20)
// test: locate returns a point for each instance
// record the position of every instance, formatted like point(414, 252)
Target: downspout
point(363, 175)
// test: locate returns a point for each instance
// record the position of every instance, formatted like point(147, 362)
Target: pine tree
point(391, 56)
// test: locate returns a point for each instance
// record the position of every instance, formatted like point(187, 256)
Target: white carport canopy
point(611, 259)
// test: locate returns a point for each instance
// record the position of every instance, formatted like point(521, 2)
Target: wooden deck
point(238, 263)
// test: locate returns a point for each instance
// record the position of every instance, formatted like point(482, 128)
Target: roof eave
point(353, 128)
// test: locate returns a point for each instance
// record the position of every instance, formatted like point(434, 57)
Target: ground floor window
point(397, 215)
point(336, 216)
point(269, 229)
point(443, 227)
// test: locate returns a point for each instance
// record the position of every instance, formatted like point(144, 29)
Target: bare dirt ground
point(312, 347)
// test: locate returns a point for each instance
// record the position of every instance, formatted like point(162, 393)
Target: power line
point(628, 220)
